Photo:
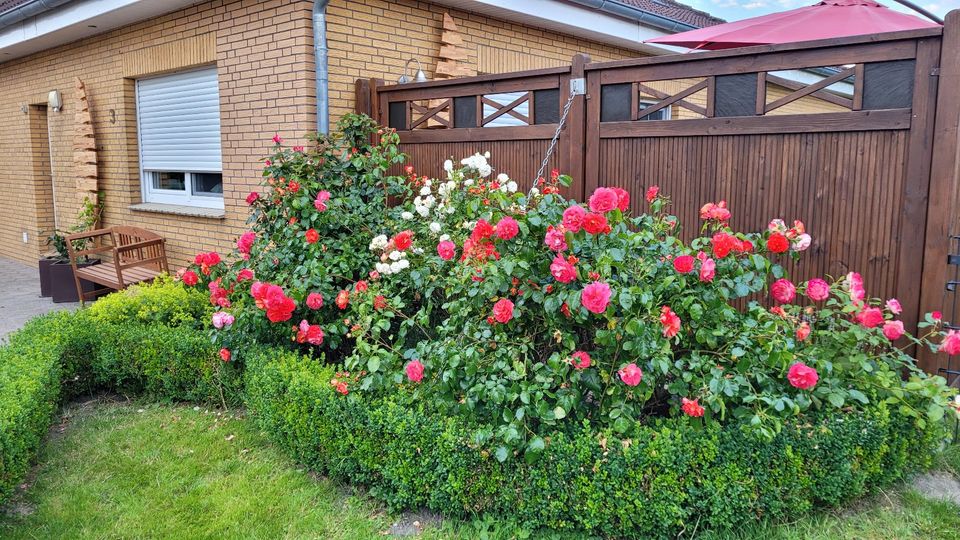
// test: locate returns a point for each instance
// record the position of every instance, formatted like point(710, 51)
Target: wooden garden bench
point(135, 255)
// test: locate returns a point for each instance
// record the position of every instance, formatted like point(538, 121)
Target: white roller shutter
point(179, 122)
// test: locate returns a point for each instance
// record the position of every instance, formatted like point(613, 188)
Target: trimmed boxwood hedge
point(674, 476)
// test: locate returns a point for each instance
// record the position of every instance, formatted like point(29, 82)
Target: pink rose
point(783, 291)
point(277, 139)
point(554, 239)
point(803, 331)
point(596, 296)
point(415, 371)
point(870, 317)
point(580, 360)
point(507, 228)
point(245, 274)
point(652, 193)
point(951, 343)
point(802, 376)
point(603, 200)
point(252, 197)
point(670, 322)
point(623, 199)
point(503, 310)
point(573, 218)
point(222, 319)
point(314, 300)
point(320, 203)
point(708, 269)
point(894, 306)
point(854, 284)
point(190, 278)
point(630, 374)
point(446, 250)
point(562, 270)
point(893, 330)
point(245, 242)
point(818, 290)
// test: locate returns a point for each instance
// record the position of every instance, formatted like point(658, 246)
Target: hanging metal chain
point(574, 92)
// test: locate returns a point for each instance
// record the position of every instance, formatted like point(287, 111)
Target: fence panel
point(836, 133)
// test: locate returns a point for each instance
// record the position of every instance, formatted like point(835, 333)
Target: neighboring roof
point(7, 5)
point(676, 11)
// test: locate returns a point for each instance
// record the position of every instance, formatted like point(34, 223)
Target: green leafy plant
point(87, 219)
point(528, 312)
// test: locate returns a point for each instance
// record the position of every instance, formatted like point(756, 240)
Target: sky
point(735, 10)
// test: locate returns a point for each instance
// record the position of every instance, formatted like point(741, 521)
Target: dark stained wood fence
point(865, 154)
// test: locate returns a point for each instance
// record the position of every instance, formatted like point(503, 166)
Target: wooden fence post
point(942, 203)
point(575, 135)
point(591, 154)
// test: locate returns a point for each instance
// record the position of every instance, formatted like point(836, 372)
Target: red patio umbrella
point(827, 19)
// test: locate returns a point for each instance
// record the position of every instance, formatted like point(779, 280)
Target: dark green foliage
point(674, 476)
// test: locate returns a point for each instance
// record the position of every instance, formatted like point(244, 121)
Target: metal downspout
point(322, 73)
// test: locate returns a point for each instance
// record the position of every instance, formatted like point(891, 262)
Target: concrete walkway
point(20, 298)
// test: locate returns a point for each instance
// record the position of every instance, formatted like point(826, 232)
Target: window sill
point(179, 210)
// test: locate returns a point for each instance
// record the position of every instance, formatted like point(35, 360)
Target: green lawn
point(119, 470)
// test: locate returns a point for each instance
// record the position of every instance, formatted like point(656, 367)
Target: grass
point(128, 470)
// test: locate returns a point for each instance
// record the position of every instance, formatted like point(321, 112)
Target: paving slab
point(20, 298)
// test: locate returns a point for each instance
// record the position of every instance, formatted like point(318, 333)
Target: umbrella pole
point(920, 10)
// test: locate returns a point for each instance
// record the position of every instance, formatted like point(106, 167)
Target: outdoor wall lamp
point(54, 101)
point(419, 77)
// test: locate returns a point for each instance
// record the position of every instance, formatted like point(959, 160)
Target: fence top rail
point(494, 77)
point(766, 49)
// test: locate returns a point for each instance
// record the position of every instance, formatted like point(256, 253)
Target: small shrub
point(162, 302)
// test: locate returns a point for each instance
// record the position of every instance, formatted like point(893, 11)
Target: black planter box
point(63, 288)
point(44, 266)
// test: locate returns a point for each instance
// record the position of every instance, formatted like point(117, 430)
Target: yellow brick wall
point(264, 57)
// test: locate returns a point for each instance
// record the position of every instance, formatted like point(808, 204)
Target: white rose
point(425, 190)
point(423, 211)
point(468, 182)
point(395, 267)
point(418, 251)
point(448, 166)
point(486, 154)
point(407, 215)
point(802, 242)
point(445, 237)
point(434, 227)
point(403, 263)
point(383, 268)
point(502, 177)
point(485, 170)
point(534, 192)
point(395, 255)
point(512, 186)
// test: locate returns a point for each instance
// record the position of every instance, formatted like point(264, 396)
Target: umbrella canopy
point(827, 19)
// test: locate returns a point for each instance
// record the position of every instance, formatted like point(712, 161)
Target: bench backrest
point(124, 235)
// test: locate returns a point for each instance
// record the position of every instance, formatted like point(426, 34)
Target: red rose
point(361, 286)
point(379, 302)
point(481, 230)
point(314, 300)
point(252, 197)
point(595, 223)
point(580, 360)
point(503, 310)
point(723, 244)
point(691, 408)
point(190, 278)
point(777, 243)
point(343, 299)
point(245, 274)
point(683, 264)
point(652, 193)
point(312, 236)
point(870, 317)
point(403, 240)
point(670, 322)
point(225, 354)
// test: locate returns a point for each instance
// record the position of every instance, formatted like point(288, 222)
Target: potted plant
point(61, 284)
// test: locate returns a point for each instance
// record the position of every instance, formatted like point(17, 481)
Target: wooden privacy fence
point(856, 137)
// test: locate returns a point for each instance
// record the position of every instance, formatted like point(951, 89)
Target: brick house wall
point(263, 51)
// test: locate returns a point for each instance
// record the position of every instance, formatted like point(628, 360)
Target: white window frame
point(187, 197)
point(667, 111)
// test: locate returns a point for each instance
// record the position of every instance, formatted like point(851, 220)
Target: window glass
point(208, 184)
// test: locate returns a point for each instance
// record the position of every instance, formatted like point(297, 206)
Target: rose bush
point(529, 313)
